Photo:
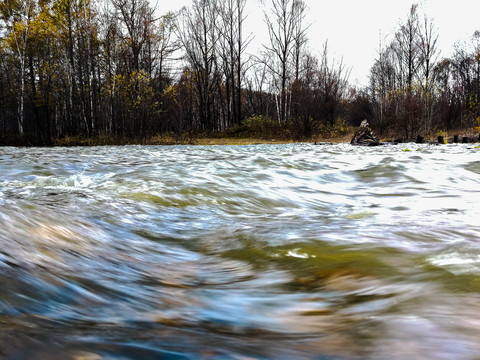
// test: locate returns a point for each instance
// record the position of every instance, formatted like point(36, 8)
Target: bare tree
point(403, 60)
point(383, 80)
point(136, 18)
point(466, 80)
point(333, 82)
point(429, 54)
point(406, 46)
point(167, 44)
point(286, 31)
point(300, 39)
point(258, 96)
point(232, 46)
point(198, 36)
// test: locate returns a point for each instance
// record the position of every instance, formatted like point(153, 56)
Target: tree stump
point(420, 139)
point(465, 140)
point(455, 139)
point(364, 135)
point(441, 140)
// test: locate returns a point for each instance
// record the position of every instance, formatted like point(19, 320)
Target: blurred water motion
point(240, 252)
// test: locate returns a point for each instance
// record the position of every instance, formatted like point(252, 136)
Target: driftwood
point(364, 136)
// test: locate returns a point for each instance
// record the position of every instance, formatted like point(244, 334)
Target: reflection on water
point(240, 252)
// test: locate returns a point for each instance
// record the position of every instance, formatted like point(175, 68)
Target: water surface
point(240, 252)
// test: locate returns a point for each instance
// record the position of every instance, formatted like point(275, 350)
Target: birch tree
point(232, 45)
point(17, 16)
point(199, 37)
point(285, 22)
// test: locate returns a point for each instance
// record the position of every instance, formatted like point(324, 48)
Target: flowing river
point(328, 252)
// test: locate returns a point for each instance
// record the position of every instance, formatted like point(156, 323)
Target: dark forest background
point(117, 69)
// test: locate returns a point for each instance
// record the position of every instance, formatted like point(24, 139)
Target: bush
point(259, 126)
point(339, 129)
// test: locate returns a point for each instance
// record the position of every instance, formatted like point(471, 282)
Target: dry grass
point(172, 140)
point(238, 141)
point(345, 138)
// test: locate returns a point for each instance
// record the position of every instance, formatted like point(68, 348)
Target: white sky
point(353, 27)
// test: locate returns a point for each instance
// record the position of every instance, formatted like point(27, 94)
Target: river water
point(240, 252)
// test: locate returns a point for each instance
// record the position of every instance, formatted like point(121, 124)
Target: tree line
point(412, 90)
point(116, 68)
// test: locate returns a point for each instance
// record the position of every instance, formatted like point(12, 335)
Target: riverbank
point(154, 140)
point(225, 139)
point(247, 134)
point(163, 140)
point(190, 140)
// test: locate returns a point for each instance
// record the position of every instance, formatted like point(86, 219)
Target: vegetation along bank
point(103, 72)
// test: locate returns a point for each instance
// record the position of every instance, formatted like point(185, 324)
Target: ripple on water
point(264, 252)
point(473, 166)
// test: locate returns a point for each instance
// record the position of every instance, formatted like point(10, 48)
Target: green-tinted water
point(240, 252)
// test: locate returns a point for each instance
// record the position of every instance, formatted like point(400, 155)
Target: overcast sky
point(353, 28)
